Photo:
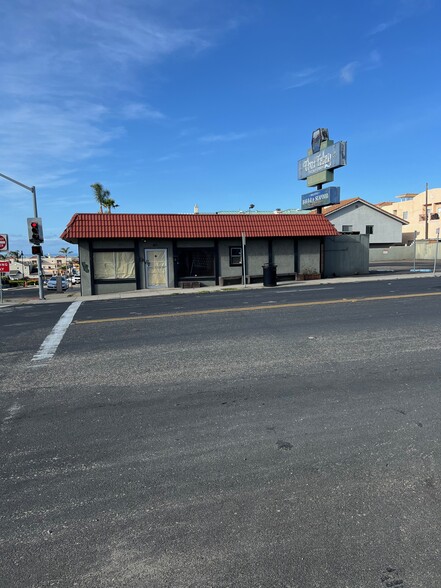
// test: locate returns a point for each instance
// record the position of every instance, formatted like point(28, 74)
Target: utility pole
point(34, 198)
point(427, 215)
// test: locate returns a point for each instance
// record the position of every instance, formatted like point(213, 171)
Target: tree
point(100, 194)
point(15, 255)
point(109, 203)
point(65, 251)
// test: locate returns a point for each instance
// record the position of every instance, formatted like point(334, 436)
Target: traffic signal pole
point(34, 197)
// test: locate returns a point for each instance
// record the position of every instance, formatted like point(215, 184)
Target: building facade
point(124, 252)
point(357, 216)
point(422, 213)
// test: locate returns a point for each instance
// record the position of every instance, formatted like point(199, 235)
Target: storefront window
point(114, 265)
point(195, 262)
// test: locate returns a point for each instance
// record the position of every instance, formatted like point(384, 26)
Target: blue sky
point(169, 103)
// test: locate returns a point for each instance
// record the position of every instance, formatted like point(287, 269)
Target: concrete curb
point(73, 296)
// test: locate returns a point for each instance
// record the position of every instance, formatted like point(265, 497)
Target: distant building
point(356, 216)
point(418, 214)
point(53, 266)
point(18, 269)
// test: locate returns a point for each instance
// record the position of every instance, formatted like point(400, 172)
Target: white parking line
point(50, 344)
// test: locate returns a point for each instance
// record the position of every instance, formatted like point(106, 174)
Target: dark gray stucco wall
point(283, 255)
point(346, 255)
point(309, 256)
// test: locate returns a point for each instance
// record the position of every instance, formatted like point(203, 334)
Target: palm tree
point(100, 194)
point(15, 255)
point(65, 251)
point(109, 203)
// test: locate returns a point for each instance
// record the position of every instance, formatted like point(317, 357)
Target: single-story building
point(123, 252)
point(356, 216)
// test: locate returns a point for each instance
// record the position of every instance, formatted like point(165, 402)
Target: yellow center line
point(254, 308)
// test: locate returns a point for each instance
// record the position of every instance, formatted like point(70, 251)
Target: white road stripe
point(50, 344)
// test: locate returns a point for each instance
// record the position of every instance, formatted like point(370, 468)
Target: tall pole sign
point(318, 167)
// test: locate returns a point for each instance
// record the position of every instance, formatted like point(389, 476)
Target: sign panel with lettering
point(323, 197)
point(326, 159)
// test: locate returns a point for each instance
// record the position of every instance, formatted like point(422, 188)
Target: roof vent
point(196, 209)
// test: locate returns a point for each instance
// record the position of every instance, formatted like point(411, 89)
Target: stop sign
point(3, 242)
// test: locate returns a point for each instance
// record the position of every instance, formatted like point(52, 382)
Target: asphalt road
point(19, 293)
point(14, 294)
point(284, 437)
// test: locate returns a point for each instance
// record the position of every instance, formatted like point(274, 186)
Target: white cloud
point(404, 9)
point(51, 136)
point(65, 70)
point(137, 111)
point(168, 157)
point(223, 138)
point(383, 26)
point(347, 73)
point(121, 35)
point(304, 77)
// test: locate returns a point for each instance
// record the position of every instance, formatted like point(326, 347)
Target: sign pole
point(244, 269)
point(4, 269)
point(414, 249)
point(34, 198)
point(39, 265)
point(436, 250)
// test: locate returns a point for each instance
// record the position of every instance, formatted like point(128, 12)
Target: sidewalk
point(71, 296)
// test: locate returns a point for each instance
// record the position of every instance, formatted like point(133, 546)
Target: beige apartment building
point(423, 213)
point(53, 266)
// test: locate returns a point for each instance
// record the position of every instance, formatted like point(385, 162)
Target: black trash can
point(269, 274)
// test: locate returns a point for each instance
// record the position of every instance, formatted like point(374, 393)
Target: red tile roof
point(194, 226)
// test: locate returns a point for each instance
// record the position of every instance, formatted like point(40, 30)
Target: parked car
point(52, 283)
point(76, 279)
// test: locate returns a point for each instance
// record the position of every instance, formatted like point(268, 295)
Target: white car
point(52, 283)
point(76, 279)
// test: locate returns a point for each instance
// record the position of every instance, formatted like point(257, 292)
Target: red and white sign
point(4, 267)
point(3, 242)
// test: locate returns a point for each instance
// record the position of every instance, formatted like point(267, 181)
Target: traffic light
point(35, 230)
point(37, 250)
